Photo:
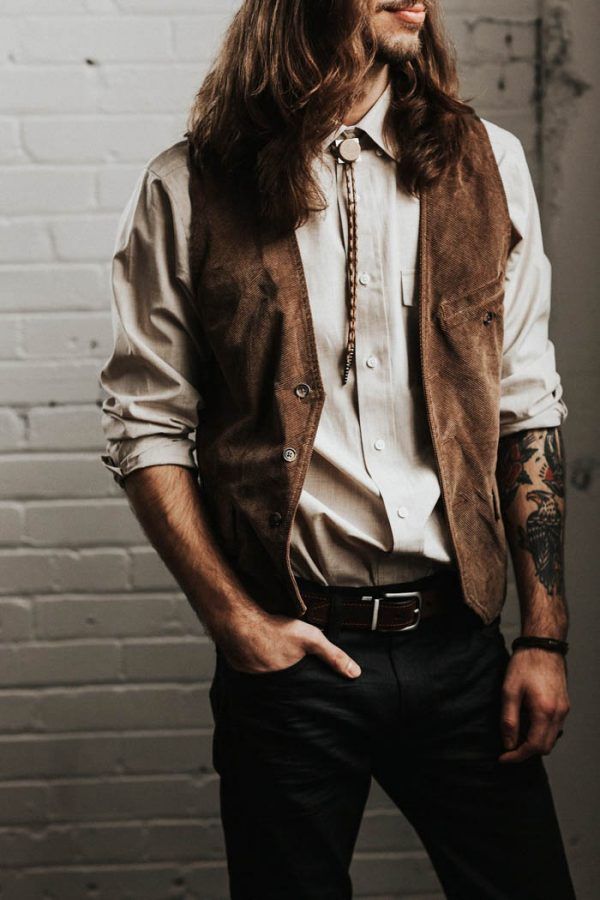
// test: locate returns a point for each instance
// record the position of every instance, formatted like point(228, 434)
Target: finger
point(337, 658)
point(554, 733)
point(524, 751)
point(537, 740)
point(509, 724)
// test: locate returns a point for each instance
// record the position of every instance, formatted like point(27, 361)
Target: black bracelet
point(545, 643)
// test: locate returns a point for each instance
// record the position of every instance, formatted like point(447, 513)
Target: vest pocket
point(484, 302)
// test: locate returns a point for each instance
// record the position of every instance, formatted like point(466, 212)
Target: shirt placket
point(373, 366)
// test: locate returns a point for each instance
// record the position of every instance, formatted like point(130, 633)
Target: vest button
point(275, 519)
point(488, 317)
point(289, 454)
point(302, 390)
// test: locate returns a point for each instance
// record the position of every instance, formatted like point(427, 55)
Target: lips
point(414, 14)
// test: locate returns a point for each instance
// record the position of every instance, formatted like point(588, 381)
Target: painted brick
point(144, 89)
point(56, 287)
point(33, 757)
point(148, 571)
point(15, 624)
point(84, 334)
point(72, 427)
point(25, 571)
point(499, 85)
point(23, 803)
point(382, 873)
point(10, 146)
point(113, 799)
point(386, 830)
point(106, 39)
point(58, 7)
point(168, 660)
point(120, 615)
point(10, 337)
point(92, 570)
point(41, 89)
point(59, 663)
point(107, 708)
point(198, 38)
point(11, 523)
point(45, 475)
point(506, 40)
point(176, 6)
point(48, 382)
point(12, 429)
point(77, 139)
point(24, 241)
point(80, 238)
point(115, 184)
point(146, 880)
point(46, 189)
point(81, 523)
point(17, 711)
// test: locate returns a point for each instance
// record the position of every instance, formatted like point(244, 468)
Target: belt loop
point(335, 617)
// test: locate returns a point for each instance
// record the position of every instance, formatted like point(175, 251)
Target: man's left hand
point(534, 689)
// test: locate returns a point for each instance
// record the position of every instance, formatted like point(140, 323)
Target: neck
point(374, 86)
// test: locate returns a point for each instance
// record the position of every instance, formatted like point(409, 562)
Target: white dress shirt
point(370, 510)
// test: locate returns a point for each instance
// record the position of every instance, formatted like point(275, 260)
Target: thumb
point(337, 658)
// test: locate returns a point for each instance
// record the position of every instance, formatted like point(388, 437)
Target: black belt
point(387, 607)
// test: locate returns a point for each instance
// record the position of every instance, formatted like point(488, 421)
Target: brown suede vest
point(262, 388)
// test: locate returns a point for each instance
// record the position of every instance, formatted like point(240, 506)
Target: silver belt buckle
point(387, 594)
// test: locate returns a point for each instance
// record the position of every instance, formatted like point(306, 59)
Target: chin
point(395, 50)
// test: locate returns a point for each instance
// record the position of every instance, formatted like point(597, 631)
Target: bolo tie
point(346, 149)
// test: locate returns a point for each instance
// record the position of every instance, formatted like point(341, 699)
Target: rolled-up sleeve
point(149, 413)
point(531, 388)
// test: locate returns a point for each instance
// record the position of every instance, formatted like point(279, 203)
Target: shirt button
point(364, 278)
point(402, 512)
point(302, 390)
point(289, 454)
point(379, 151)
point(379, 444)
point(372, 362)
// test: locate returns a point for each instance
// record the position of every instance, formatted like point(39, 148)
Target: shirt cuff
point(122, 458)
point(549, 418)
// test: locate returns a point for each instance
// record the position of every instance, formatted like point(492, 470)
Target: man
point(338, 282)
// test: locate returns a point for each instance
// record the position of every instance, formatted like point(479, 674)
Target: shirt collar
point(372, 123)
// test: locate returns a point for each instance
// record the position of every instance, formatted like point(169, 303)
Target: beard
point(394, 49)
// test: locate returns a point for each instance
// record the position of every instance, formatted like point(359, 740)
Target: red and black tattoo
point(535, 458)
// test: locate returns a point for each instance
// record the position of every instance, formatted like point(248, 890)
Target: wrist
point(541, 642)
point(231, 612)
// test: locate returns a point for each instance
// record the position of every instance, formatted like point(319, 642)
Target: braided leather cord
point(352, 266)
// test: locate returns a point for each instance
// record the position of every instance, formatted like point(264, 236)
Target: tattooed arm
point(532, 497)
point(531, 485)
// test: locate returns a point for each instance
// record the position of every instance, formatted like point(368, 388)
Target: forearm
point(168, 505)
point(532, 497)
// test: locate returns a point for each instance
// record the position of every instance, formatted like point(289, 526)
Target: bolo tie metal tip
point(348, 366)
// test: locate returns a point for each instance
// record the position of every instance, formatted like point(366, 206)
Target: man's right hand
point(169, 507)
point(263, 642)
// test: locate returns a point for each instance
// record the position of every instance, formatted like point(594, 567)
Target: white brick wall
point(104, 669)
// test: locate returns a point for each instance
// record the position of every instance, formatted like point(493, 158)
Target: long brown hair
point(287, 71)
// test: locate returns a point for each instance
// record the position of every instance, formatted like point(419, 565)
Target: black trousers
point(296, 750)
